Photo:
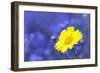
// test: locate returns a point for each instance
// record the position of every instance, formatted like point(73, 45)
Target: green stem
point(73, 56)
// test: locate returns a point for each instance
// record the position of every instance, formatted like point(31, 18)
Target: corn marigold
point(68, 38)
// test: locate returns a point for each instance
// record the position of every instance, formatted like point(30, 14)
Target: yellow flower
point(67, 39)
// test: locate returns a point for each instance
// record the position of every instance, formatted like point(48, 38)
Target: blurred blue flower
point(41, 30)
point(68, 54)
point(47, 52)
point(34, 57)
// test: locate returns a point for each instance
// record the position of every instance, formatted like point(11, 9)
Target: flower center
point(68, 40)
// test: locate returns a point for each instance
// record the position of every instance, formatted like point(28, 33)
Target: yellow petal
point(59, 44)
point(71, 45)
point(70, 31)
point(66, 33)
point(77, 36)
point(70, 28)
point(64, 49)
point(63, 35)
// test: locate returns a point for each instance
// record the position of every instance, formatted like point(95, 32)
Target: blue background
point(39, 27)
